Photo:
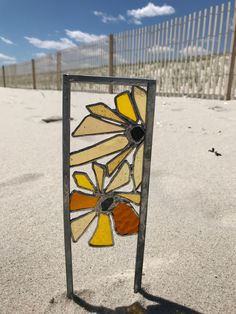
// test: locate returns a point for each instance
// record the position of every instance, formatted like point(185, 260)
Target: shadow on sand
point(162, 306)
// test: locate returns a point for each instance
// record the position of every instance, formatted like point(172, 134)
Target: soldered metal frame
point(150, 86)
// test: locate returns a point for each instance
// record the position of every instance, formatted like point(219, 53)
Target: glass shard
point(99, 171)
point(126, 220)
point(133, 197)
point(140, 98)
point(80, 224)
point(138, 166)
point(125, 107)
point(82, 180)
point(103, 233)
point(114, 163)
point(92, 126)
point(104, 111)
point(101, 149)
point(80, 201)
point(121, 178)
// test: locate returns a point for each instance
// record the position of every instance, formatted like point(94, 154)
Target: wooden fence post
point(232, 59)
point(3, 76)
point(33, 74)
point(59, 70)
point(110, 66)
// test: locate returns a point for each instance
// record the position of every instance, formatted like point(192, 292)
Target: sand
point(190, 257)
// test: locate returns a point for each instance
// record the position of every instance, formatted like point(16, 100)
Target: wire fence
point(192, 55)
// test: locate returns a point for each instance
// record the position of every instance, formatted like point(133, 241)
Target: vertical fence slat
point(218, 60)
point(211, 75)
point(202, 52)
point(162, 59)
point(227, 25)
point(232, 58)
point(157, 58)
point(182, 57)
point(165, 58)
point(4, 76)
point(174, 53)
point(111, 65)
point(58, 70)
point(186, 54)
point(169, 57)
point(195, 72)
point(175, 80)
point(207, 51)
point(33, 74)
point(190, 74)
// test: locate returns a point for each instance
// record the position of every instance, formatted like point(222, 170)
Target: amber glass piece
point(79, 201)
point(82, 180)
point(138, 166)
point(99, 150)
point(121, 178)
point(140, 98)
point(99, 172)
point(80, 224)
point(104, 111)
point(103, 233)
point(126, 220)
point(133, 197)
point(92, 126)
point(125, 107)
point(113, 164)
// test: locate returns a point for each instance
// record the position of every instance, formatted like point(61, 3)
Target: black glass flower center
point(105, 205)
point(137, 133)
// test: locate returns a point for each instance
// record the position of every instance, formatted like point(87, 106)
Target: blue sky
point(30, 28)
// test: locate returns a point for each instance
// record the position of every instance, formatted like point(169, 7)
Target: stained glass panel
point(115, 172)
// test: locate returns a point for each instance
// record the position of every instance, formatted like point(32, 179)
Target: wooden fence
point(192, 55)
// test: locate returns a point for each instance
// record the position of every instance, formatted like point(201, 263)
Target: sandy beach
point(190, 256)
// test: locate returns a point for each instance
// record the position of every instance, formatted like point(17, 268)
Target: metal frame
point(151, 93)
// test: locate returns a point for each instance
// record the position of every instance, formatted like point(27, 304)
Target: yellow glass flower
point(104, 203)
point(128, 120)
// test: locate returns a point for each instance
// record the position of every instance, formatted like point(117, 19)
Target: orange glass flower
point(104, 203)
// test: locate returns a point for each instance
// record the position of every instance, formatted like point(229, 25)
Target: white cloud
point(83, 37)
point(194, 50)
point(160, 49)
point(150, 10)
point(109, 18)
point(6, 41)
point(63, 43)
point(40, 54)
point(4, 59)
